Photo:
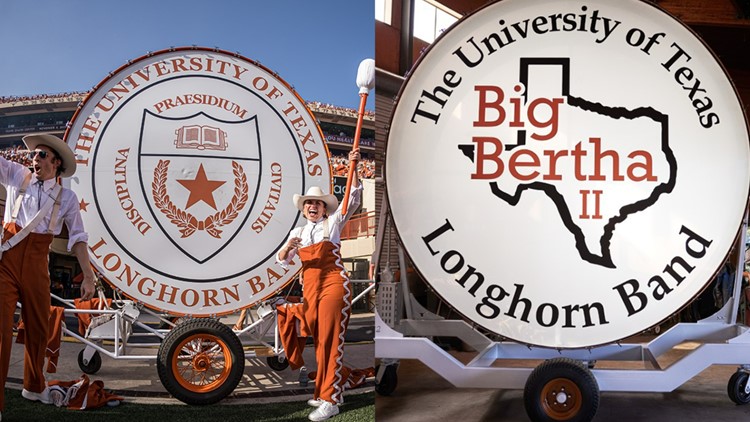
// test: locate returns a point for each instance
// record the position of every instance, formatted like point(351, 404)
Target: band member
point(326, 306)
point(36, 208)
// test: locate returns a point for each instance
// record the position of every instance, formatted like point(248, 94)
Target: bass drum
point(556, 181)
point(187, 162)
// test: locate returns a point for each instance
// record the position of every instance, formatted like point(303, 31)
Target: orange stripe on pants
point(24, 277)
point(326, 311)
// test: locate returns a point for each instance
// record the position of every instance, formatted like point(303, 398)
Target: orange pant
point(324, 315)
point(24, 277)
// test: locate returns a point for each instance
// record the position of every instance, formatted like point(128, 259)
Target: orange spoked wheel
point(201, 361)
point(561, 389)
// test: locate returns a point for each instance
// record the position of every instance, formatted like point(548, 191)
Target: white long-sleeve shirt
point(12, 176)
point(312, 232)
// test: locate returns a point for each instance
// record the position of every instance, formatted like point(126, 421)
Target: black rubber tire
point(388, 383)
point(736, 387)
point(200, 361)
point(95, 363)
point(561, 389)
point(277, 364)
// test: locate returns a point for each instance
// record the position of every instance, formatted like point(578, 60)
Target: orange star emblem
point(201, 189)
point(83, 205)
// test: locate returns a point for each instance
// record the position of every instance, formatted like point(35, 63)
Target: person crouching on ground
point(324, 313)
point(36, 208)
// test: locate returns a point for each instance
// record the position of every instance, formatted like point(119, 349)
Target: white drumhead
point(187, 162)
point(568, 174)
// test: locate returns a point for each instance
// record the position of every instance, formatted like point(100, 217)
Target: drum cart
point(566, 385)
point(199, 360)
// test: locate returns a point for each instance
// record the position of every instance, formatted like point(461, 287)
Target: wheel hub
point(561, 397)
point(201, 362)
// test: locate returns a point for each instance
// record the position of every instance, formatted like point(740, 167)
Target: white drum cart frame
point(199, 360)
point(120, 332)
point(566, 386)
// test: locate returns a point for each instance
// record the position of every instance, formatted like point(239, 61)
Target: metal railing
point(360, 225)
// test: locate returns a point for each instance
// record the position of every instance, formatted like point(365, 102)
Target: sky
point(56, 46)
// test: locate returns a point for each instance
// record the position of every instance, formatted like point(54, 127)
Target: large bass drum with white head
point(567, 174)
point(187, 162)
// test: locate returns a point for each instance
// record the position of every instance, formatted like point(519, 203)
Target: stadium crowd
point(20, 98)
point(18, 154)
point(317, 105)
point(340, 167)
point(339, 163)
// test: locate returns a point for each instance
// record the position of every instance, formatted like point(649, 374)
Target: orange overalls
point(24, 275)
point(324, 315)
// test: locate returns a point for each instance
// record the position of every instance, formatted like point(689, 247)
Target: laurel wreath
point(186, 222)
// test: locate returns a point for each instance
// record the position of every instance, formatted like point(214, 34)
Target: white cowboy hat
point(57, 144)
point(316, 193)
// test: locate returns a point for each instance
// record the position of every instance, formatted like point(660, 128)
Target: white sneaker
point(318, 402)
point(42, 397)
point(324, 411)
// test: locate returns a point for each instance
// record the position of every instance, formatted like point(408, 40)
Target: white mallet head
point(366, 76)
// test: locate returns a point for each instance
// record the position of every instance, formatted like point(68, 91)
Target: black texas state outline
point(558, 199)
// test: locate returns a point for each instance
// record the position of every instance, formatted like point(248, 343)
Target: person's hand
point(88, 286)
point(293, 244)
point(354, 155)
